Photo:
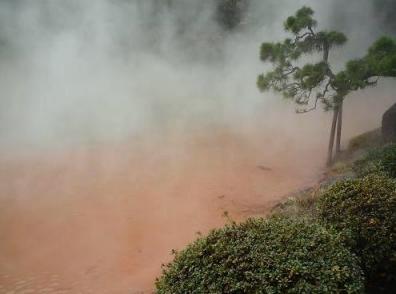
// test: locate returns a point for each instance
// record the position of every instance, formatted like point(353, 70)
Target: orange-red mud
point(102, 219)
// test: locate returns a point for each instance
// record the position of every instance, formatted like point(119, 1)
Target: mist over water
point(128, 126)
point(83, 71)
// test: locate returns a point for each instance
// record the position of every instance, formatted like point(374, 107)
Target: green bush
point(372, 139)
point(380, 160)
point(264, 256)
point(301, 205)
point(365, 211)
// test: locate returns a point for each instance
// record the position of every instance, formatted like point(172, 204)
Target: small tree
point(312, 83)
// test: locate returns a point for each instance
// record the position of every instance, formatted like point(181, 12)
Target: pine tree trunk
point(339, 129)
point(332, 137)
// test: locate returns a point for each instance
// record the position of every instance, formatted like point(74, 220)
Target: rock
point(389, 125)
point(264, 168)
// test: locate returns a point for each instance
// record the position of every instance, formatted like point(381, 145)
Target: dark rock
point(264, 168)
point(389, 125)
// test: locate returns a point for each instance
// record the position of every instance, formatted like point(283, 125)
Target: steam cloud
point(83, 71)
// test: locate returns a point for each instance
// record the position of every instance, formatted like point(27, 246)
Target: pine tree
point(315, 83)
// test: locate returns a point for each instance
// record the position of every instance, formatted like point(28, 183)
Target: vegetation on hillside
point(304, 246)
point(364, 210)
point(368, 140)
point(378, 160)
point(277, 255)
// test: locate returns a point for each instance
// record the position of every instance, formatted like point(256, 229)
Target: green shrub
point(371, 139)
point(365, 211)
point(380, 160)
point(301, 205)
point(264, 256)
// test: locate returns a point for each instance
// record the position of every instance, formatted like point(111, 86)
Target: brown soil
point(103, 219)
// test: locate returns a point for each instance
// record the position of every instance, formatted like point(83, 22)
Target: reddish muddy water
point(103, 219)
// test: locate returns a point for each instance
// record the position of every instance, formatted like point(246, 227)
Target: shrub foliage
point(264, 256)
point(365, 211)
point(368, 140)
point(380, 160)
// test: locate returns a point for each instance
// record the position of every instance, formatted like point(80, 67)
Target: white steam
point(88, 71)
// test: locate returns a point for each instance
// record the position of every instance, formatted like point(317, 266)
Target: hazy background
point(82, 71)
point(128, 126)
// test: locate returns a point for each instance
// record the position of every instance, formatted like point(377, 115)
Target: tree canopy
point(315, 82)
point(301, 83)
